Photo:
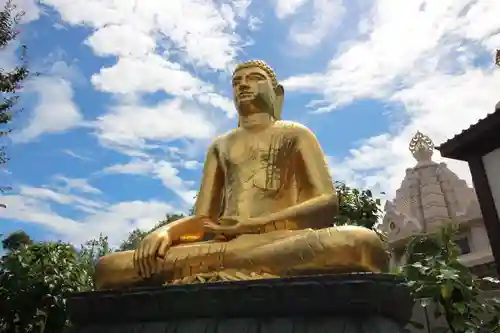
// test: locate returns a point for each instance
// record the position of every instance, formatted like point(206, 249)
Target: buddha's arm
point(323, 204)
point(208, 201)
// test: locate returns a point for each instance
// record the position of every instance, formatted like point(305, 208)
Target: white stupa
point(430, 195)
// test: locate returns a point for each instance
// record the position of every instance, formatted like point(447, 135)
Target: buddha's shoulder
point(223, 139)
point(287, 127)
point(290, 125)
point(293, 128)
point(229, 135)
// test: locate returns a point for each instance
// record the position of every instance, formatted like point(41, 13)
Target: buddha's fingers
point(144, 256)
point(164, 246)
point(135, 260)
point(151, 263)
point(150, 260)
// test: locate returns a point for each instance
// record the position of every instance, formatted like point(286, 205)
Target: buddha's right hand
point(154, 245)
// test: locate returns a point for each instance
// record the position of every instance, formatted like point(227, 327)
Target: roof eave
point(476, 140)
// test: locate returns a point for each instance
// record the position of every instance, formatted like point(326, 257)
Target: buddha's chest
point(264, 162)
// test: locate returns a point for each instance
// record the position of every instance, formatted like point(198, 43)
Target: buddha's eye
point(256, 77)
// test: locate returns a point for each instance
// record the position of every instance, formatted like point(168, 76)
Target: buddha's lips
point(243, 95)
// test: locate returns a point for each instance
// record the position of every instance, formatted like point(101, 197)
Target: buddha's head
point(256, 90)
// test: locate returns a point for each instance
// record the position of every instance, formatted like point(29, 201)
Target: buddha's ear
point(280, 98)
point(279, 91)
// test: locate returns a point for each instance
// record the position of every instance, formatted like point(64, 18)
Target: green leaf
point(448, 274)
point(460, 307)
point(417, 265)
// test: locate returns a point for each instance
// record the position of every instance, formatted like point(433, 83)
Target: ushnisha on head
point(256, 89)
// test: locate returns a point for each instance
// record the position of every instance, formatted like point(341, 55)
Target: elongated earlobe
point(278, 104)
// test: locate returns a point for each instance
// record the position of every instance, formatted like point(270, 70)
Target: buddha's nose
point(243, 88)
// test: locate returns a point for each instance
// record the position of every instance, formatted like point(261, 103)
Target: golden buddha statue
point(267, 195)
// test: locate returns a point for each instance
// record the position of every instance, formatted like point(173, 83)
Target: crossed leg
point(343, 249)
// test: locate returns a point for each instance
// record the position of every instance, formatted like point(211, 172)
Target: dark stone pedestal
point(353, 303)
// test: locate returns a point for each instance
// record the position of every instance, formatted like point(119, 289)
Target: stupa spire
point(421, 147)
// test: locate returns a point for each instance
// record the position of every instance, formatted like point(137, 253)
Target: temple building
point(431, 195)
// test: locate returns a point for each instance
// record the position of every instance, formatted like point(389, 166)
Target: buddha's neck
point(256, 121)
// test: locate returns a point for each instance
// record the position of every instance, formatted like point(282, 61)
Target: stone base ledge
point(359, 302)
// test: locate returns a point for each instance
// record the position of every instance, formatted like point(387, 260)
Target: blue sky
point(131, 93)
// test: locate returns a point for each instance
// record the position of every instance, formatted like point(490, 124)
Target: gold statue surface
point(267, 195)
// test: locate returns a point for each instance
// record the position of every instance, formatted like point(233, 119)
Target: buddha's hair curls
point(260, 64)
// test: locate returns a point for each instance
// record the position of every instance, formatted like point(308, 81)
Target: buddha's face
point(253, 90)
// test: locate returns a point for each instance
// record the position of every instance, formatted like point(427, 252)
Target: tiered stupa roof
point(430, 194)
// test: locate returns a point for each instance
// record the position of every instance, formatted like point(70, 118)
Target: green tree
point(356, 207)
point(89, 254)
point(34, 283)
point(36, 278)
point(169, 218)
point(133, 240)
point(10, 81)
point(435, 275)
point(15, 240)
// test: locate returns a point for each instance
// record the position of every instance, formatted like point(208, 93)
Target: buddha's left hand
point(231, 225)
point(223, 229)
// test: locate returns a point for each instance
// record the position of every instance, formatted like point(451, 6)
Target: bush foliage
point(436, 275)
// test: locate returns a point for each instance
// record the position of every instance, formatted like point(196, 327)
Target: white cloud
point(32, 210)
point(343, 173)
point(191, 165)
point(481, 23)
point(55, 110)
point(40, 205)
point(169, 175)
point(206, 39)
point(152, 73)
point(240, 7)
point(313, 24)
point(122, 41)
point(327, 16)
point(63, 70)
point(52, 195)
point(55, 113)
point(159, 50)
point(418, 55)
point(165, 171)
point(133, 125)
point(71, 153)
point(385, 57)
point(285, 8)
point(78, 184)
point(9, 57)
point(117, 220)
point(254, 23)
point(134, 167)
point(33, 205)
